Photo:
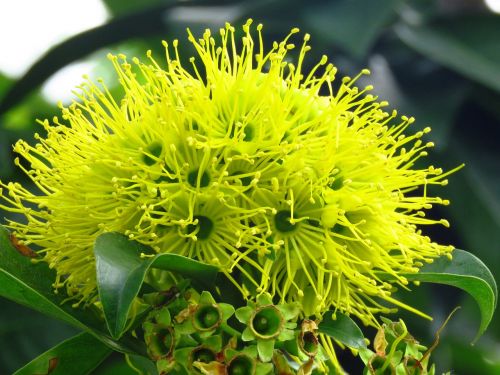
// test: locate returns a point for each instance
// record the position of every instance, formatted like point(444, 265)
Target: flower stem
point(229, 330)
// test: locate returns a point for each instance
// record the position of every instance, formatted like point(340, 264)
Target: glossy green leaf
point(467, 272)
point(343, 329)
point(141, 365)
point(121, 272)
point(469, 45)
point(116, 364)
point(30, 284)
point(79, 355)
point(19, 344)
point(17, 339)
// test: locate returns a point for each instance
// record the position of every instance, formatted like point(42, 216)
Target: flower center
point(282, 221)
point(245, 181)
point(193, 178)
point(153, 152)
point(338, 183)
point(202, 229)
point(249, 133)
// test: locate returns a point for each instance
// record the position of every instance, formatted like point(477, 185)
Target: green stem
point(230, 330)
point(394, 346)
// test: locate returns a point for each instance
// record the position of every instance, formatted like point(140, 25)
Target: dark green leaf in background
point(479, 181)
point(120, 7)
point(31, 285)
point(473, 360)
point(78, 355)
point(431, 103)
point(469, 44)
point(338, 22)
point(121, 272)
point(25, 333)
point(343, 329)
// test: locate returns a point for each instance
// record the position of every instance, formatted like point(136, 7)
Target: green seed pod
point(201, 354)
point(207, 317)
point(241, 364)
point(266, 322)
point(160, 342)
point(308, 340)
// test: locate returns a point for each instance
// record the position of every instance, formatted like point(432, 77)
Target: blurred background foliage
point(436, 60)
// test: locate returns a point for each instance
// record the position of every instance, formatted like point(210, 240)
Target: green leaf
point(121, 272)
point(116, 364)
point(467, 272)
point(343, 329)
point(468, 44)
point(79, 355)
point(19, 344)
point(141, 365)
point(119, 7)
point(31, 285)
point(338, 22)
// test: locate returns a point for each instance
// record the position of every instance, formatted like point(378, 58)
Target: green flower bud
point(201, 354)
point(206, 317)
point(160, 342)
point(241, 364)
point(212, 368)
point(308, 340)
point(159, 334)
point(266, 322)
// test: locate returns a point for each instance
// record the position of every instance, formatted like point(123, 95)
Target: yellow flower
point(290, 184)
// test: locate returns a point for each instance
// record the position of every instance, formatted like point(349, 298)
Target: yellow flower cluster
point(242, 160)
